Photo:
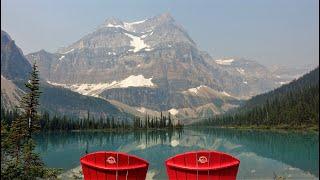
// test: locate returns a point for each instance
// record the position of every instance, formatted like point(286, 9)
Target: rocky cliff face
point(13, 63)
point(151, 63)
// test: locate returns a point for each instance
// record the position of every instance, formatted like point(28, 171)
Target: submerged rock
point(75, 173)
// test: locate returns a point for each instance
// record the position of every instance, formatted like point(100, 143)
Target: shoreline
point(115, 130)
point(284, 128)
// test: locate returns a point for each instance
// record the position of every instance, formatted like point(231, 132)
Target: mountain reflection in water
point(262, 153)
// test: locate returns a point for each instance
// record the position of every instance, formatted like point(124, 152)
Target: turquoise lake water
point(263, 154)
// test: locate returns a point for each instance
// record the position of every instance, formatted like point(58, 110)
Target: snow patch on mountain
point(137, 42)
point(173, 111)
point(142, 109)
point(111, 53)
point(148, 49)
point(205, 91)
point(226, 94)
point(135, 81)
point(96, 89)
point(283, 82)
point(224, 61)
point(146, 35)
point(128, 26)
point(196, 89)
point(116, 26)
point(85, 89)
point(62, 57)
point(240, 70)
point(68, 51)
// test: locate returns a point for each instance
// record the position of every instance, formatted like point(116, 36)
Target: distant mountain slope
point(287, 74)
point(15, 70)
point(242, 77)
point(308, 80)
point(65, 102)
point(294, 104)
point(10, 94)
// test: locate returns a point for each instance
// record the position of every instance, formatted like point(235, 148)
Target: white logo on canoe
point(203, 159)
point(111, 160)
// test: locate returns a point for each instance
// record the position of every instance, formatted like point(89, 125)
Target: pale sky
point(284, 32)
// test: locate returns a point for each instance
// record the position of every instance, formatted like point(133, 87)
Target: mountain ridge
point(13, 63)
point(157, 50)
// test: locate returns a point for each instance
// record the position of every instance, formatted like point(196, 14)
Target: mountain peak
point(165, 17)
point(113, 21)
point(5, 37)
point(13, 63)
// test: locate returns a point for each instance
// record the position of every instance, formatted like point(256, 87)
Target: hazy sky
point(284, 32)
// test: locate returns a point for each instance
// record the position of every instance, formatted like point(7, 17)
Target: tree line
point(154, 122)
point(66, 123)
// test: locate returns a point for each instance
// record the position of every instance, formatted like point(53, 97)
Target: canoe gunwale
point(189, 168)
point(144, 163)
point(114, 168)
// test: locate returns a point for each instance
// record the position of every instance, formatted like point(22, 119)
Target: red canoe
point(113, 165)
point(202, 165)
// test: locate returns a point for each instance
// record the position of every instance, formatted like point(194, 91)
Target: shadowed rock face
point(156, 48)
point(14, 65)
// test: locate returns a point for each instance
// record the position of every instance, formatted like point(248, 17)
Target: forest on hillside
point(295, 104)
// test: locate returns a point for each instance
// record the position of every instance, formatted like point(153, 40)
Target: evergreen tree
point(30, 102)
point(23, 162)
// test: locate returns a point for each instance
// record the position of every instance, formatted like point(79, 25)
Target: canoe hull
point(113, 166)
point(202, 165)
